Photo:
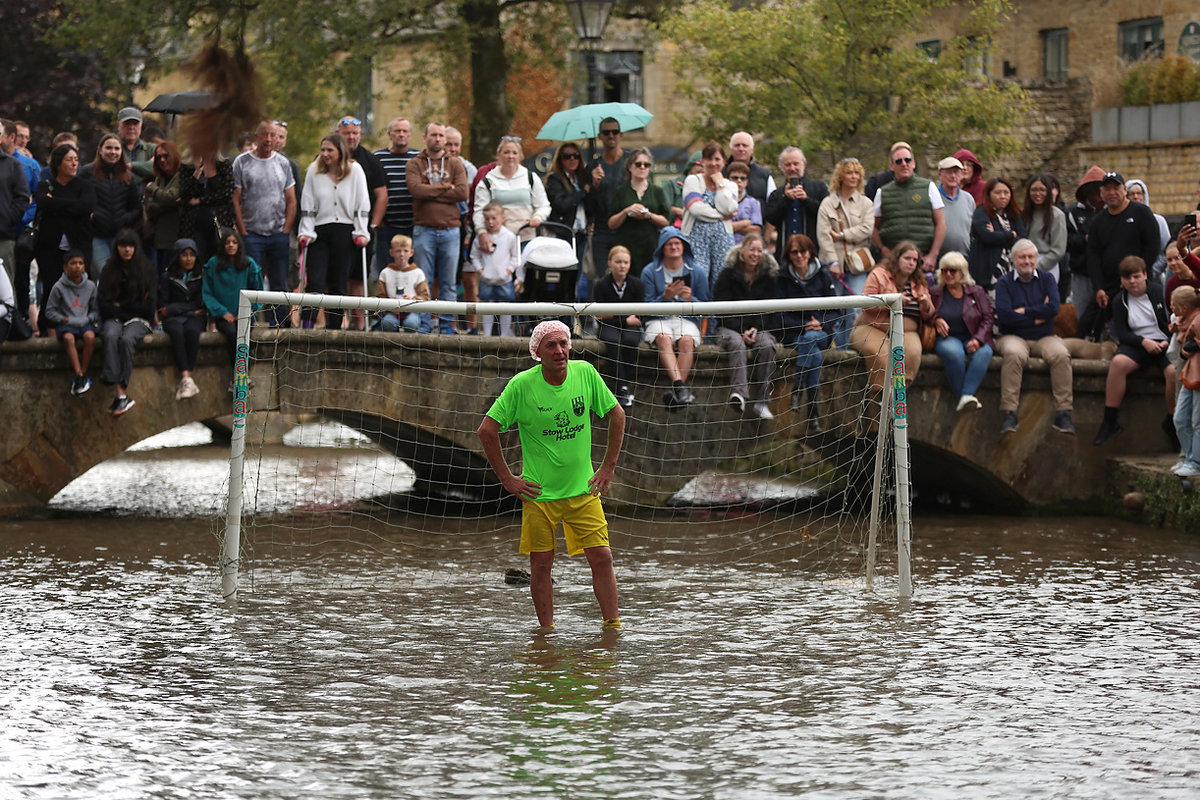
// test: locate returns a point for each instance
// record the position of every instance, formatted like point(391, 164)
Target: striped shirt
point(400, 205)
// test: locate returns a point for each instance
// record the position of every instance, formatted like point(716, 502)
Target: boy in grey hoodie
point(73, 310)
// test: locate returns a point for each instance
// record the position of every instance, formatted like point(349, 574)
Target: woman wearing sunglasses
point(566, 186)
point(963, 323)
point(638, 210)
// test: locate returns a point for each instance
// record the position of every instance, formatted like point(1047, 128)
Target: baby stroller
point(551, 268)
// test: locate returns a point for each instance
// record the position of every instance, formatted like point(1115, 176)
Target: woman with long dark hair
point(225, 275)
point(65, 203)
point(899, 273)
point(996, 226)
point(161, 198)
point(181, 311)
point(566, 187)
point(1046, 224)
point(128, 293)
point(118, 202)
point(334, 209)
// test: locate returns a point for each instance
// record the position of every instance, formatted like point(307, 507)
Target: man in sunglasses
point(910, 208)
point(607, 171)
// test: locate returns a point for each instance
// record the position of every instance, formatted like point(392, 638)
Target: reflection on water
point(1049, 658)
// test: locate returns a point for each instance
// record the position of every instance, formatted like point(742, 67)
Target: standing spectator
point(958, 206)
point(33, 174)
point(963, 323)
point(1121, 229)
point(137, 153)
point(437, 182)
point(1079, 218)
point(620, 334)
point(206, 202)
point(760, 182)
point(675, 188)
point(161, 200)
point(128, 293)
point(181, 312)
point(748, 218)
point(23, 138)
point(454, 142)
point(264, 202)
point(516, 189)
point(1186, 306)
point(14, 197)
point(1026, 304)
point(497, 266)
point(845, 221)
point(750, 274)
point(638, 210)
point(334, 210)
point(810, 332)
point(118, 204)
point(1139, 324)
point(973, 182)
point(996, 227)
point(398, 218)
point(225, 276)
point(1046, 225)
point(607, 171)
point(566, 187)
point(899, 273)
point(709, 203)
point(351, 130)
point(1137, 192)
point(909, 208)
point(794, 207)
point(66, 202)
point(1182, 264)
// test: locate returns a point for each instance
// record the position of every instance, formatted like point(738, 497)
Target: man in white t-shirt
point(264, 204)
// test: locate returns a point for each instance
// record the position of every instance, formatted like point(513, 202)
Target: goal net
point(352, 445)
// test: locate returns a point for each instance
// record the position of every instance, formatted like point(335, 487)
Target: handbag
point(928, 337)
point(856, 261)
point(19, 328)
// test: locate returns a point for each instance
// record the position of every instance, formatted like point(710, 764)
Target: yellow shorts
point(582, 518)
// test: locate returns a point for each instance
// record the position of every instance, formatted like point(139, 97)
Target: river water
point(1048, 658)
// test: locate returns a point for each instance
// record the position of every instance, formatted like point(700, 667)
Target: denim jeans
point(272, 254)
point(436, 253)
point(964, 371)
point(808, 357)
point(502, 293)
point(102, 248)
point(1187, 424)
point(392, 323)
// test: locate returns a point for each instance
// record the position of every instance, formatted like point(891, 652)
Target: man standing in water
point(552, 404)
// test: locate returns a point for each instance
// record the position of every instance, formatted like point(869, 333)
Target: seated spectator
point(128, 293)
point(997, 224)
point(73, 311)
point(749, 274)
point(404, 280)
point(900, 272)
point(1139, 325)
point(810, 332)
point(225, 275)
point(638, 208)
point(672, 277)
point(748, 218)
point(181, 312)
point(497, 267)
point(1026, 304)
point(621, 334)
point(964, 328)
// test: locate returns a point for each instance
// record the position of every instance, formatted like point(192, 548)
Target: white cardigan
point(510, 193)
point(726, 205)
point(324, 201)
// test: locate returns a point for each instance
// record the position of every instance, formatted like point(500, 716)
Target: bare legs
point(604, 583)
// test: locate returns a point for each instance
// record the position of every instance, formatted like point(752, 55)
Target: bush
point(1173, 79)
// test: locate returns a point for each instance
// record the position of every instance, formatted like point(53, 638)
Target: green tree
point(838, 76)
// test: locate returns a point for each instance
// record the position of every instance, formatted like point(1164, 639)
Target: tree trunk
point(490, 114)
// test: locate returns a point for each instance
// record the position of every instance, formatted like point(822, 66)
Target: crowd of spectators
point(145, 237)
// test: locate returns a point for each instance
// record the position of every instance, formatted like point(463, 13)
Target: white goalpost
point(813, 486)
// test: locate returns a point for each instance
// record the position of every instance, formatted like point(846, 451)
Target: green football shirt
point(555, 426)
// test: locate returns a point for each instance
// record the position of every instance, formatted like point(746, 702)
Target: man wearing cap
point(139, 155)
point(959, 207)
point(909, 208)
point(552, 405)
point(1120, 229)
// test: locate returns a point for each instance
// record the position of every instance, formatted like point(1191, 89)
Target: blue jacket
point(655, 277)
point(1038, 298)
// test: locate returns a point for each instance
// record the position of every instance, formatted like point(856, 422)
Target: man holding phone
point(793, 207)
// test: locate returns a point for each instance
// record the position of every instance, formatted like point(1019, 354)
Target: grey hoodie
point(73, 304)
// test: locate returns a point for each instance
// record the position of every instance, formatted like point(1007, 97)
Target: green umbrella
point(583, 122)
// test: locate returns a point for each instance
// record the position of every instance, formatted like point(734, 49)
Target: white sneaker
point(1178, 465)
point(187, 388)
point(179, 389)
point(968, 401)
point(1189, 470)
point(763, 411)
point(737, 402)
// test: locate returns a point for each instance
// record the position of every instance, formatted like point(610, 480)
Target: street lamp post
point(590, 17)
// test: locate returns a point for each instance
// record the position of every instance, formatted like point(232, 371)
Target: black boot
point(1108, 428)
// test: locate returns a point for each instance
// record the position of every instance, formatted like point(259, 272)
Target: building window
point(1141, 38)
point(932, 48)
point(1054, 51)
point(980, 62)
point(618, 75)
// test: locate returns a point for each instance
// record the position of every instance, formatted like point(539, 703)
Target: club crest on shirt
point(577, 405)
point(561, 419)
